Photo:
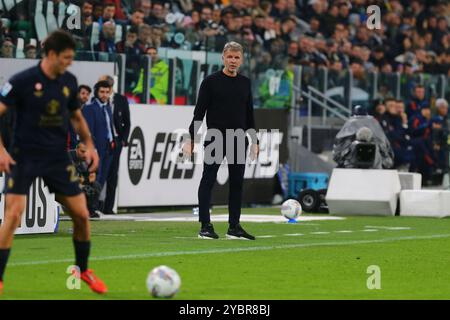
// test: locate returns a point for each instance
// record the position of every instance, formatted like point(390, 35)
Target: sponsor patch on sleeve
point(6, 89)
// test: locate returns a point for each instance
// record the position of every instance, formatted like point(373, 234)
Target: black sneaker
point(238, 233)
point(94, 214)
point(207, 232)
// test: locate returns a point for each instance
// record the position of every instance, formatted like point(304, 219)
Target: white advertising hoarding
point(40, 215)
point(87, 72)
point(149, 174)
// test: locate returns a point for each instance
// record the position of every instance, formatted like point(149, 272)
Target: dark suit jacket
point(96, 121)
point(121, 117)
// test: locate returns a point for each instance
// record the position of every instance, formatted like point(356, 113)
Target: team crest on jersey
point(10, 183)
point(53, 107)
point(38, 89)
point(6, 89)
point(66, 91)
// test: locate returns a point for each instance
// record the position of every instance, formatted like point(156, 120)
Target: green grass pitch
point(307, 260)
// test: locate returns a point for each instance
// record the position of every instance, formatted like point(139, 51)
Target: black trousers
point(236, 180)
point(111, 181)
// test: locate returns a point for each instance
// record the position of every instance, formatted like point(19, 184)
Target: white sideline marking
point(244, 218)
point(320, 232)
point(268, 236)
point(109, 234)
point(388, 228)
point(293, 234)
point(344, 231)
point(232, 250)
point(370, 230)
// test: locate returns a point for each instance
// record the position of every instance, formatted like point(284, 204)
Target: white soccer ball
point(291, 209)
point(163, 282)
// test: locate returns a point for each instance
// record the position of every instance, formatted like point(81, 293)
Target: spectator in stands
point(144, 37)
point(440, 131)
point(119, 14)
point(378, 58)
point(263, 62)
point(109, 10)
point(379, 110)
point(30, 51)
point(87, 9)
point(133, 52)
point(137, 18)
point(417, 102)
point(424, 155)
point(395, 125)
point(288, 26)
point(157, 15)
point(359, 73)
point(97, 11)
point(293, 52)
point(314, 28)
point(158, 37)
point(328, 20)
point(107, 38)
point(7, 48)
point(145, 6)
point(279, 9)
point(205, 17)
point(159, 79)
point(270, 32)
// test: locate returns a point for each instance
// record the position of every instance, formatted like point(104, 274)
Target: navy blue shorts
point(59, 175)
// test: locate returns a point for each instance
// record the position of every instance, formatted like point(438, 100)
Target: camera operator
point(90, 187)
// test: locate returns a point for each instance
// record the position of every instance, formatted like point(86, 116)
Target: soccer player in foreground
point(45, 99)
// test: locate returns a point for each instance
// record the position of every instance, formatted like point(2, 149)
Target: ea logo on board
point(136, 156)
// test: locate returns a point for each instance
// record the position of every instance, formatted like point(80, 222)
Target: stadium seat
point(363, 192)
point(52, 24)
point(19, 48)
point(95, 34)
point(6, 22)
point(425, 203)
point(39, 21)
point(118, 33)
point(9, 4)
point(33, 42)
point(61, 13)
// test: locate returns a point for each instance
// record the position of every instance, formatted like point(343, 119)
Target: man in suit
point(84, 93)
point(121, 128)
point(98, 116)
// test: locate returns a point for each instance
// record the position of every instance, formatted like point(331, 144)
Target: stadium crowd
point(414, 38)
point(414, 35)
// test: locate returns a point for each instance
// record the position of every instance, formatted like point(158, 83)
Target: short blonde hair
point(441, 102)
point(233, 46)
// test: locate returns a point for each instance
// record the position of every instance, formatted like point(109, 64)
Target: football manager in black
point(44, 99)
point(226, 99)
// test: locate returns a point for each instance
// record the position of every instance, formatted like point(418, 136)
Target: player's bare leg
point(79, 213)
point(15, 205)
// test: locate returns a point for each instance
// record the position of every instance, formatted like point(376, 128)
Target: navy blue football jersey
point(42, 106)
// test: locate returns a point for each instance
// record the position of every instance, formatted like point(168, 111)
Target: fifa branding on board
point(164, 157)
point(136, 156)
